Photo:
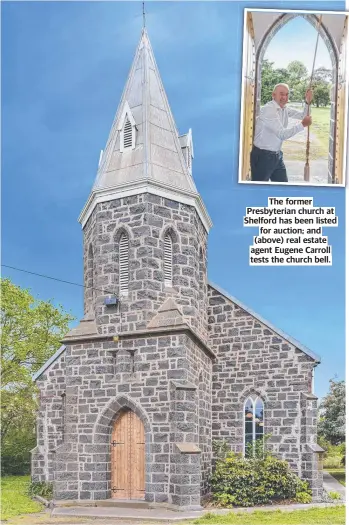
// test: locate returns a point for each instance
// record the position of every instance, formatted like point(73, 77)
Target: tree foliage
point(31, 333)
point(321, 93)
point(270, 77)
point(332, 414)
point(297, 77)
point(323, 74)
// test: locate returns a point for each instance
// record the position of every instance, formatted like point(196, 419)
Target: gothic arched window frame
point(124, 263)
point(168, 260)
point(253, 424)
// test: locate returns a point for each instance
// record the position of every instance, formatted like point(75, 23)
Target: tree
point(295, 75)
point(31, 333)
point(270, 77)
point(332, 414)
point(297, 71)
point(324, 74)
point(298, 75)
point(321, 92)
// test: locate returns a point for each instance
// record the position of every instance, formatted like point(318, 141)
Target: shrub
point(334, 495)
point(334, 456)
point(332, 462)
point(41, 488)
point(303, 497)
point(238, 481)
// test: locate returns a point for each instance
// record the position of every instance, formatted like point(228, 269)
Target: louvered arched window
point(253, 424)
point(123, 264)
point(127, 135)
point(168, 256)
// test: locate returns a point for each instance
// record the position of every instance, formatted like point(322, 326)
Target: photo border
point(346, 119)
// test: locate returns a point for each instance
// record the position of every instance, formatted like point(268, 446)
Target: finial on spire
point(143, 15)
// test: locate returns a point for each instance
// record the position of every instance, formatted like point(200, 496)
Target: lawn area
point(14, 499)
point(338, 473)
point(314, 516)
point(294, 148)
point(321, 127)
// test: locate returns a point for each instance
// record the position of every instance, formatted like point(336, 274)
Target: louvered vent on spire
point(127, 134)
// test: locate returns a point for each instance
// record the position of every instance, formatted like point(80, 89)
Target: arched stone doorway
point(127, 456)
point(122, 421)
point(333, 31)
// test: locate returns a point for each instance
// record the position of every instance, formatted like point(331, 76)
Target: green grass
point(14, 499)
point(338, 473)
point(320, 129)
point(315, 516)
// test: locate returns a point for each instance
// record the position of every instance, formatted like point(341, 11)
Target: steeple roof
point(155, 163)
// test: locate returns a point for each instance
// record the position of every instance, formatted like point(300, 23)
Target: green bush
point(334, 456)
point(41, 488)
point(239, 481)
point(334, 495)
point(332, 462)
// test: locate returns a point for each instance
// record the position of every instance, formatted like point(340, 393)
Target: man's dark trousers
point(267, 165)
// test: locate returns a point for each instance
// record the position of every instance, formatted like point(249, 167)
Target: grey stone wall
point(200, 374)
point(252, 359)
point(50, 420)
point(145, 218)
point(103, 377)
point(311, 454)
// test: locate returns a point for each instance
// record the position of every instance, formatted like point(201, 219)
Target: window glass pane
point(259, 409)
point(259, 436)
point(248, 427)
point(248, 445)
point(248, 410)
point(259, 428)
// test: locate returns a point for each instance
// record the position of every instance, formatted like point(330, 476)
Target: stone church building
point(164, 362)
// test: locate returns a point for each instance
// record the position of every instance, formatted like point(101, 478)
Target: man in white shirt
point(271, 130)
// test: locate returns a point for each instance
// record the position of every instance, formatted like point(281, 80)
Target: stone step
point(129, 504)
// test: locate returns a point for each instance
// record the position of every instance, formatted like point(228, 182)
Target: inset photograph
point(294, 103)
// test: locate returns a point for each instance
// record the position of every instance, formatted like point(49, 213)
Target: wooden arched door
point(128, 457)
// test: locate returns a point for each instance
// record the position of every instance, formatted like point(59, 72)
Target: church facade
point(164, 363)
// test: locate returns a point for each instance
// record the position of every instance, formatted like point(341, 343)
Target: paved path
point(124, 516)
point(163, 515)
point(318, 172)
point(332, 485)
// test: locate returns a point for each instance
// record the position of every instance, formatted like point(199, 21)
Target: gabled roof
point(156, 164)
point(282, 334)
point(49, 362)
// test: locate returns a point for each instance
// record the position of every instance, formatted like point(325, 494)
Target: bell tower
point(145, 225)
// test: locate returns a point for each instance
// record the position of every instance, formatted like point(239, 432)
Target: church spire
point(144, 151)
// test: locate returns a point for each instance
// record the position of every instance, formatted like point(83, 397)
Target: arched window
point(168, 257)
point(123, 264)
point(254, 424)
point(127, 128)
